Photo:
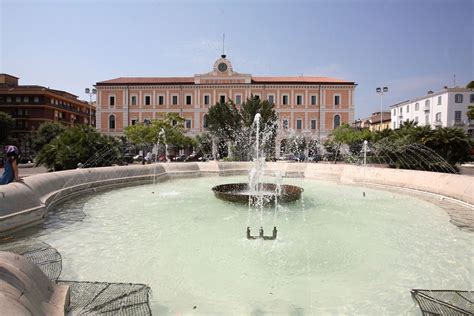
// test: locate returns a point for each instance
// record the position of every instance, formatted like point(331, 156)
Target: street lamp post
point(90, 92)
point(381, 91)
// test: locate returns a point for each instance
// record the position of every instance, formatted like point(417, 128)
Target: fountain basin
point(240, 193)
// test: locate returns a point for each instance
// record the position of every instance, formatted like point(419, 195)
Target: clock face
point(222, 67)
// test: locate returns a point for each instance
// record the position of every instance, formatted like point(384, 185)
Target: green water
point(336, 252)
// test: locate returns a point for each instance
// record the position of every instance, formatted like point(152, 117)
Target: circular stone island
point(240, 193)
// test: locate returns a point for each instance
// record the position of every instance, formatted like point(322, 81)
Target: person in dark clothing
point(10, 165)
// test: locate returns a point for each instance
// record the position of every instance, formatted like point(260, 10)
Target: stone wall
point(26, 203)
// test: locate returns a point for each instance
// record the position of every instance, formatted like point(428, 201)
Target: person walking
point(10, 165)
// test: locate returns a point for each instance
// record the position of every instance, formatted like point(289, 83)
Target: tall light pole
point(90, 92)
point(381, 91)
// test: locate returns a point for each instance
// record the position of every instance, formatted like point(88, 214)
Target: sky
point(410, 46)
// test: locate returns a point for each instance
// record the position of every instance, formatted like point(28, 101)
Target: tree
point(46, 133)
point(204, 144)
point(470, 112)
point(80, 144)
point(224, 121)
point(268, 123)
point(6, 124)
point(169, 130)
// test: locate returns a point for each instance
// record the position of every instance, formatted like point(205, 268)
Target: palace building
point(309, 106)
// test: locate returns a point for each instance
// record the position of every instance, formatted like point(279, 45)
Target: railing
point(458, 123)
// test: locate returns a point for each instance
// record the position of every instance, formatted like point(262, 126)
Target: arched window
point(112, 122)
point(337, 120)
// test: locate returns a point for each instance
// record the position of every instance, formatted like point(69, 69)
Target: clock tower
point(222, 72)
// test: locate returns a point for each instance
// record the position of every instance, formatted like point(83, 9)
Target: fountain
point(162, 135)
point(188, 246)
point(256, 192)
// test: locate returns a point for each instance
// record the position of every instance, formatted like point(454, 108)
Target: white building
point(444, 108)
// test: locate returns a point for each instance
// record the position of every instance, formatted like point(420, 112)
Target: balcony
point(427, 108)
point(458, 123)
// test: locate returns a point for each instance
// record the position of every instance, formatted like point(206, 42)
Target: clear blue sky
point(409, 46)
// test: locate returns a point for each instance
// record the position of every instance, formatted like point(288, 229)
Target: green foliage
point(229, 124)
point(204, 144)
point(80, 144)
point(470, 112)
point(46, 133)
point(170, 130)
point(6, 124)
point(410, 146)
point(224, 121)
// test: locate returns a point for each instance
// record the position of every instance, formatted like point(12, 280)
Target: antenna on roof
point(454, 80)
point(223, 45)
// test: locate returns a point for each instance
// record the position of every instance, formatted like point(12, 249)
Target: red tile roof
point(190, 80)
point(149, 80)
point(299, 79)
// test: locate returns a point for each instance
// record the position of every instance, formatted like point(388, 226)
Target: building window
point(401, 110)
point(112, 101)
point(416, 119)
point(204, 121)
point(161, 100)
point(147, 100)
point(314, 100)
point(427, 103)
point(471, 98)
point(134, 121)
point(427, 119)
point(337, 120)
point(188, 124)
point(271, 98)
point(439, 100)
point(18, 99)
point(175, 100)
point(417, 106)
point(222, 98)
point(9, 99)
point(285, 99)
point(26, 99)
point(438, 117)
point(408, 108)
point(457, 116)
point(112, 122)
point(285, 124)
point(206, 100)
point(458, 98)
point(188, 100)
point(337, 100)
point(299, 124)
point(299, 100)
point(133, 100)
point(238, 99)
point(313, 124)
point(394, 125)
point(394, 112)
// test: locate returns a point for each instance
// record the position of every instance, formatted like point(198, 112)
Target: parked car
point(289, 157)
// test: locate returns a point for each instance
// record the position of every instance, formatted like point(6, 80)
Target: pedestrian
point(10, 165)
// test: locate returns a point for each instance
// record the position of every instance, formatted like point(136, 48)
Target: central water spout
point(162, 135)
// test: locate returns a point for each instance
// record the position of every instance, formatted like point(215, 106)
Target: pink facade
point(311, 106)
